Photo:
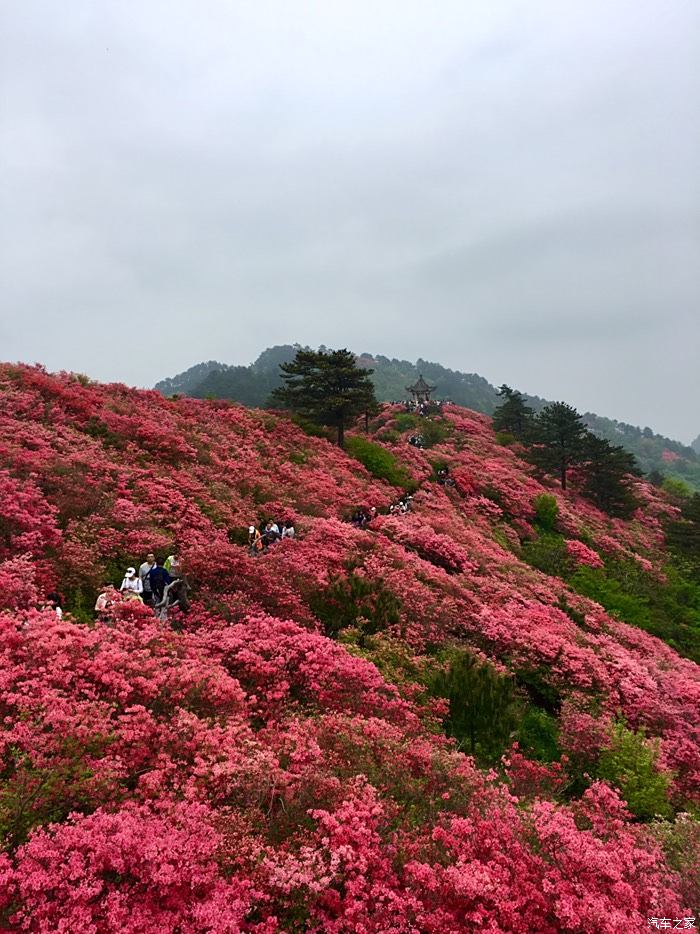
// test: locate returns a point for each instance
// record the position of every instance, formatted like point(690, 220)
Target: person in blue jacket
point(158, 578)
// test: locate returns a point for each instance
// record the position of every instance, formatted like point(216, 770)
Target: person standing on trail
point(158, 578)
point(271, 533)
point(255, 541)
point(132, 586)
point(176, 592)
point(289, 531)
point(172, 565)
point(144, 571)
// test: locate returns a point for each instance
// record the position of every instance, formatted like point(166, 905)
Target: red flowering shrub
point(583, 555)
point(144, 868)
point(439, 549)
point(18, 590)
point(243, 772)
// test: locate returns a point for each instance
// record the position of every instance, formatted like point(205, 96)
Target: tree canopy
point(607, 467)
point(513, 415)
point(558, 436)
point(328, 387)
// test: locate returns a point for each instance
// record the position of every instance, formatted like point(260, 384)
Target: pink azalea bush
point(583, 555)
point(247, 773)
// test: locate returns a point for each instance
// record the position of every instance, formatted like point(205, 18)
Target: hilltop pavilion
point(420, 391)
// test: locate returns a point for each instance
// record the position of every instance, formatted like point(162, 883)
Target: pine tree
point(558, 440)
point(484, 706)
point(513, 415)
point(606, 470)
point(684, 533)
point(328, 387)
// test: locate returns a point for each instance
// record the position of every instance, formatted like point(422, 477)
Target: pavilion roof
point(421, 386)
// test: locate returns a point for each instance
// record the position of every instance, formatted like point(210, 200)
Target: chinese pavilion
point(420, 390)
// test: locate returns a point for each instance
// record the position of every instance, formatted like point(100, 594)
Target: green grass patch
point(669, 610)
point(379, 461)
point(548, 554)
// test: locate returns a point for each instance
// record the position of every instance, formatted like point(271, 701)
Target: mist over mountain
point(252, 386)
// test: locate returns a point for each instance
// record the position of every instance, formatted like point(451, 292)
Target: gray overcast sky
point(510, 188)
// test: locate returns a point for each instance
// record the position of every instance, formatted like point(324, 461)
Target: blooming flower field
point(251, 773)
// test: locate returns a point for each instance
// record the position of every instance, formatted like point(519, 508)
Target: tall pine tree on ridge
point(328, 387)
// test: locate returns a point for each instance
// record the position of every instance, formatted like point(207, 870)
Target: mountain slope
point(252, 386)
point(294, 758)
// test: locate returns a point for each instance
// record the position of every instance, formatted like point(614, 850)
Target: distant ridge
point(252, 385)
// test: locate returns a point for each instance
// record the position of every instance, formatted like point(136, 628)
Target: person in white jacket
point(132, 585)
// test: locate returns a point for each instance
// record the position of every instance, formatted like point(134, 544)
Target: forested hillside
point(253, 384)
point(477, 714)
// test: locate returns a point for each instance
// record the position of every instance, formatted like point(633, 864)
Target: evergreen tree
point(558, 440)
point(655, 477)
point(328, 387)
point(684, 534)
point(606, 469)
point(484, 705)
point(513, 414)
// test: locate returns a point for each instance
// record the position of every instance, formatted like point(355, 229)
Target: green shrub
point(434, 431)
point(576, 616)
point(538, 735)
point(546, 511)
point(680, 840)
point(80, 604)
point(312, 429)
point(540, 692)
point(34, 793)
point(392, 656)
point(484, 704)
point(406, 421)
point(669, 610)
point(355, 601)
point(548, 554)
point(380, 461)
point(495, 495)
point(437, 466)
point(620, 601)
point(677, 487)
point(631, 765)
point(97, 429)
point(238, 535)
point(505, 438)
point(500, 536)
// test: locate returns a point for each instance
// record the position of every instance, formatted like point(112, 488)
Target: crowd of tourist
point(402, 506)
point(444, 478)
point(159, 583)
point(425, 408)
point(364, 515)
point(263, 537)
